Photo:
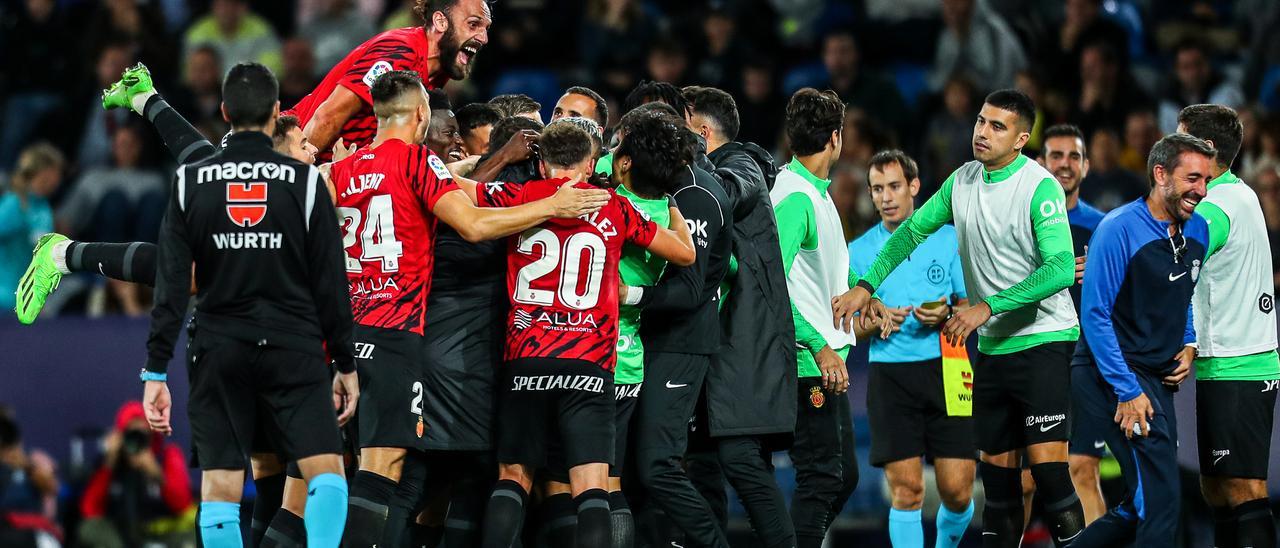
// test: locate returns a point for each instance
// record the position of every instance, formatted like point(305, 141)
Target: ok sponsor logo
point(246, 203)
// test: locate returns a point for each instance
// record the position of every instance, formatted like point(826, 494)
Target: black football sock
point(594, 527)
point(367, 509)
point(131, 261)
point(466, 506)
point(1224, 527)
point(504, 515)
point(621, 521)
point(560, 520)
point(270, 496)
point(184, 141)
point(1002, 513)
point(1254, 525)
point(403, 508)
point(1063, 512)
point(287, 530)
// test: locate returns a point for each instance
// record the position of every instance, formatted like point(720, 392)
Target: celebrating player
point(1237, 367)
point(388, 194)
point(1144, 260)
point(444, 48)
point(563, 282)
point(1015, 246)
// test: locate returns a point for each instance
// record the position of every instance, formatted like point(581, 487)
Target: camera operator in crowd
point(141, 494)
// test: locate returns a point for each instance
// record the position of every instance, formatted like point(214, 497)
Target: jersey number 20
point(570, 258)
point(377, 240)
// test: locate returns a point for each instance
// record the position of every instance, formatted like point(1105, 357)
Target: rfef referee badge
point(421, 427)
point(817, 398)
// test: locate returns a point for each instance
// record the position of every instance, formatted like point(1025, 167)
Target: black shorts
point(1022, 398)
point(233, 380)
point(1088, 434)
point(907, 409)
point(389, 364)
point(545, 401)
point(464, 338)
point(625, 398)
point(1233, 427)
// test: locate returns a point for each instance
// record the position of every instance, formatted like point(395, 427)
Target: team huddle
point(522, 332)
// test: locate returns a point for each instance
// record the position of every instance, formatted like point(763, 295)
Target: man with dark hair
point(916, 398)
point(1015, 245)
point(582, 101)
point(1237, 370)
point(1144, 261)
point(712, 114)
point(223, 217)
point(826, 467)
point(563, 326)
point(648, 91)
point(1065, 156)
point(443, 48)
point(476, 121)
point(517, 104)
point(390, 277)
point(443, 134)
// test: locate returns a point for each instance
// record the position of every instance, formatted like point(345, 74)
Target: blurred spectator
point(403, 16)
point(1266, 154)
point(369, 10)
point(667, 62)
point(1267, 183)
point(614, 40)
point(759, 106)
point(120, 203)
point(1246, 160)
point(337, 28)
point(871, 92)
point(28, 491)
point(1082, 24)
point(978, 44)
point(25, 214)
point(1027, 82)
point(141, 494)
point(97, 125)
point(1263, 54)
point(1194, 82)
point(721, 63)
point(1108, 185)
point(1106, 93)
point(1140, 134)
point(140, 22)
point(35, 71)
point(848, 184)
point(200, 97)
point(948, 139)
point(298, 77)
point(238, 35)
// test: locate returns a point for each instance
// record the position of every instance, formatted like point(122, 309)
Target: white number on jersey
point(570, 257)
point(377, 240)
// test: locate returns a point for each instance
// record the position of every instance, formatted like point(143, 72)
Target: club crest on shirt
point(421, 427)
point(816, 398)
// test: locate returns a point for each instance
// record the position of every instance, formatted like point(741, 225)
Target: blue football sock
point(326, 510)
point(220, 525)
point(951, 526)
point(905, 530)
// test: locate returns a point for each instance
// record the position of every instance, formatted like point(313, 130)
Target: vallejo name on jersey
point(245, 171)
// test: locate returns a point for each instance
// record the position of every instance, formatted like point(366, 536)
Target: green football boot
point(134, 80)
point(40, 279)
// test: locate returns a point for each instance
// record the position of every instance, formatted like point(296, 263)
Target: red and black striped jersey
point(385, 198)
point(396, 49)
point(562, 276)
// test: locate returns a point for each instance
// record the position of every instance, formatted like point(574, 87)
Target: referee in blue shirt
point(905, 396)
point(1138, 341)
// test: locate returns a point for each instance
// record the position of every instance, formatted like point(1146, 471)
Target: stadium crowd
point(913, 74)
